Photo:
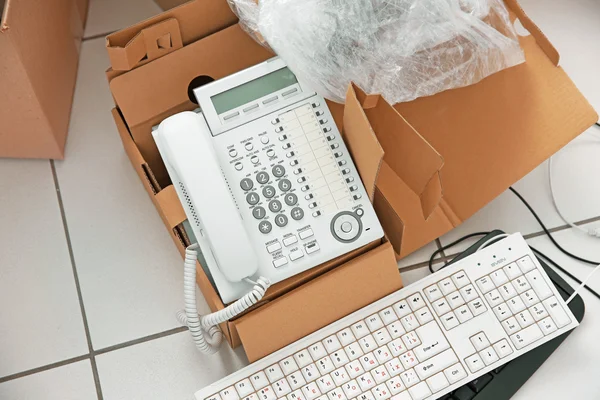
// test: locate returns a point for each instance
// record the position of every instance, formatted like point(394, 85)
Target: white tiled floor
point(129, 273)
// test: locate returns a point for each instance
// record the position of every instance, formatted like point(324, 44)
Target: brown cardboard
point(427, 165)
point(168, 4)
point(39, 44)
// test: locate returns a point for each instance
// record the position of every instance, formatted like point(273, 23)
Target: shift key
point(433, 341)
point(436, 364)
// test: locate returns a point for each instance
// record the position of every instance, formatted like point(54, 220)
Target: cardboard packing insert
point(428, 164)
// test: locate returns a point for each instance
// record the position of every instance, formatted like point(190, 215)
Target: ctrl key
point(312, 247)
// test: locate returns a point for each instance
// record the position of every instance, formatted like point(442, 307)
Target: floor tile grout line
point(144, 339)
point(77, 283)
point(43, 368)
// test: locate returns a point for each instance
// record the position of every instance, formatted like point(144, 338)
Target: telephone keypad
point(265, 227)
point(259, 212)
point(262, 177)
point(275, 206)
point(278, 171)
point(268, 191)
point(281, 220)
point(290, 199)
point(297, 213)
point(246, 184)
point(285, 185)
point(252, 198)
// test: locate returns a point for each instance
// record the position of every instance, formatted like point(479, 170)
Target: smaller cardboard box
point(39, 48)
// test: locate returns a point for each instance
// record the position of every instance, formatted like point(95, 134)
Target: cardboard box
point(39, 44)
point(168, 4)
point(427, 164)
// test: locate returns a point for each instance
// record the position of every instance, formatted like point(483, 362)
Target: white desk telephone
point(265, 179)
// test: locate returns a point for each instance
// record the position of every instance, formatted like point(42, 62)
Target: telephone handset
point(188, 152)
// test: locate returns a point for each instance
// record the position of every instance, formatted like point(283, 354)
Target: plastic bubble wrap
point(403, 49)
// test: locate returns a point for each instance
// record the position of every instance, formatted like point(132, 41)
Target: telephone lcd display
point(253, 90)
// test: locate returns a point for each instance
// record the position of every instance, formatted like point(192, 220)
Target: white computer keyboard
point(420, 342)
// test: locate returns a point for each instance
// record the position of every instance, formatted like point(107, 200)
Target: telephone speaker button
point(252, 198)
point(272, 248)
point(265, 227)
point(233, 153)
point(278, 171)
point(290, 199)
point(238, 166)
point(249, 146)
point(262, 177)
point(284, 186)
point(254, 160)
point(312, 247)
point(275, 206)
point(305, 234)
point(281, 220)
point(280, 262)
point(246, 184)
point(268, 191)
point(259, 212)
point(297, 213)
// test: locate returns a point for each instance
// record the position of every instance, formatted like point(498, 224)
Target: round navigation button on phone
point(246, 184)
point(259, 212)
point(265, 227)
point(262, 177)
point(346, 227)
point(278, 171)
point(281, 220)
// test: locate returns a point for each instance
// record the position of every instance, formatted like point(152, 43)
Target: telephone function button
point(238, 166)
point(254, 160)
point(246, 184)
point(275, 206)
point(290, 199)
point(265, 227)
point(297, 213)
point(360, 212)
point(285, 185)
point(296, 254)
point(346, 227)
point(270, 153)
point(312, 247)
point(252, 198)
point(249, 146)
point(259, 212)
point(264, 139)
point(262, 177)
point(281, 220)
point(305, 234)
point(233, 153)
point(272, 248)
point(280, 262)
point(288, 241)
point(268, 191)
point(275, 121)
point(278, 171)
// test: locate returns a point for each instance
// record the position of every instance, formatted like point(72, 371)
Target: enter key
point(433, 341)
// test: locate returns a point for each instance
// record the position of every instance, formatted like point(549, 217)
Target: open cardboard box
point(428, 164)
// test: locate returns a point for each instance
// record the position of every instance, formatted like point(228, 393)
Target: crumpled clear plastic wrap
point(402, 49)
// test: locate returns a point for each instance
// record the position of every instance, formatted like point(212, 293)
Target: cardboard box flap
point(195, 20)
point(317, 304)
point(170, 203)
point(377, 131)
point(149, 44)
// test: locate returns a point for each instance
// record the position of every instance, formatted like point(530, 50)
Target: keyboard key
point(303, 358)
point(556, 311)
point(401, 308)
point(485, 284)
point(354, 351)
point(296, 395)
point(244, 388)
point(366, 396)
point(489, 356)
point(474, 363)
point(436, 364)
point(230, 394)
point(433, 293)
point(423, 315)
point(366, 381)
point(332, 344)
point(409, 377)
point(432, 339)
point(317, 351)
point(396, 329)
point(296, 380)
point(449, 320)
point(511, 325)
point(368, 361)
point(408, 360)
point(538, 312)
point(388, 315)
point(512, 271)
point(463, 314)
point(340, 376)
point(381, 392)
point(441, 306)
point(547, 326)
point(311, 391)
point(382, 337)
point(325, 383)
point(395, 385)
point(380, 374)
point(325, 365)
point(351, 389)
point(383, 354)
point(274, 373)
point(539, 285)
point(259, 380)
point(477, 307)
point(420, 391)
point(525, 264)
point(214, 397)
point(282, 388)
point(499, 277)
point(346, 336)
point(502, 348)
point(415, 301)
point(493, 298)
point(438, 382)
point(336, 394)
point(288, 365)
point(355, 369)
point(524, 319)
point(529, 298)
point(463, 393)
point(374, 322)
point(447, 286)
point(521, 284)
point(368, 343)
point(310, 372)
point(468, 293)
point(502, 311)
point(480, 341)
point(339, 358)
point(253, 396)
point(394, 366)
point(479, 383)
point(411, 340)
point(455, 300)
point(455, 373)
point(516, 304)
point(267, 393)
point(526, 336)
point(507, 291)
point(460, 279)
point(397, 347)
point(409, 322)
